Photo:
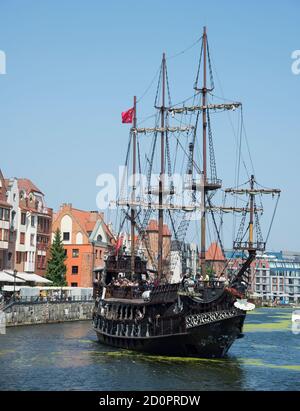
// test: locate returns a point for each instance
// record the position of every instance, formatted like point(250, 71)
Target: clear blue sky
point(73, 66)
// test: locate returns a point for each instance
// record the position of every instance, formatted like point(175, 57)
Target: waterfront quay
point(29, 313)
point(67, 356)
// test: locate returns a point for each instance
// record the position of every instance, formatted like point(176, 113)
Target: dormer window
point(99, 238)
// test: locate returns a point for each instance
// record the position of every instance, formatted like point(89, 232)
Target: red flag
point(127, 116)
point(119, 244)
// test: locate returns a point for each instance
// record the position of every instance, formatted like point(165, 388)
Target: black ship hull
point(210, 340)
point(200, 319)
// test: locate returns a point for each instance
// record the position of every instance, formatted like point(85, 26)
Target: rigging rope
point(185, 50)
point(150, 85)
point(273, 216)
point(212, 84)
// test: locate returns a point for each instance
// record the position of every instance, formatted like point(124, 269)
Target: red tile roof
point(153, 226)
point(28, 186)
point(214, 253)
point(84, 219)
point(88, 220)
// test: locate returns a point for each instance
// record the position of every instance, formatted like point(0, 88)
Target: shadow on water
point(177, 373)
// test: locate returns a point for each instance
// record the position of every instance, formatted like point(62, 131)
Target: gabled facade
point(31, 222)
point(86, 238)
point(4, 225)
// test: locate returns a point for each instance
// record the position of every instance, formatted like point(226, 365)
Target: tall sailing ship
point(139, 304)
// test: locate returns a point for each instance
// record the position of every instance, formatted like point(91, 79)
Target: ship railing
point(161, 293)
point(200, 285)
point(123, 292)
point(164, 293)
point(246, 245)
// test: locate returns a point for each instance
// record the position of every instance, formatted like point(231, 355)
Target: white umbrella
point(8, 278)
point(31, 277)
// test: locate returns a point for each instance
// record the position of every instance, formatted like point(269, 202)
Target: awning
point(8, 278)
point(11, 288)
point(31, 277)
point(100, 268)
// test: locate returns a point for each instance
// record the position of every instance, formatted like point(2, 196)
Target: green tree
point(56, 268)
point(210, 272)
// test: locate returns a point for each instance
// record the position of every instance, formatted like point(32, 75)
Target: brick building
point(152, 230)
point(86, 238)
point(215, 259)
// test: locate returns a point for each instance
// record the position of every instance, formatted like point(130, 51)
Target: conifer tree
point(56, 268)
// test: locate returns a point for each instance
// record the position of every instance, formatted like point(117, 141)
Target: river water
point(68, 357)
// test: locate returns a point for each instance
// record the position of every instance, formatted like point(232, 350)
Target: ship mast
point(162, 172)
point(251, 219)
point(132, 217)
point(204, 126)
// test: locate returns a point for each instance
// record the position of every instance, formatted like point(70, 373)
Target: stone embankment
point(21, 313)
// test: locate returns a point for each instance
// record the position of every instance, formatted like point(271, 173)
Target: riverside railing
point(39, 300)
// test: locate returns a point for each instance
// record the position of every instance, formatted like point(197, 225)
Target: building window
point(22, 238)
point(41, 262)
point(23, 218)
point(74, 284)
point(5, 235)
point(66, 252)
point(75, 252)
point(32, 240)
point(99, 238)
point(32, 221)
point(74, 269)
point(66, 236)
point(6, 214)
point(19, 257)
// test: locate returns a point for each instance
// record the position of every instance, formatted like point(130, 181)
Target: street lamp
point(15, 274)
